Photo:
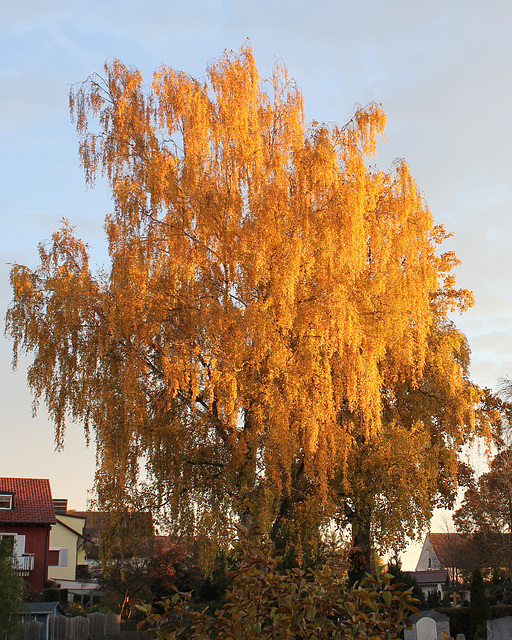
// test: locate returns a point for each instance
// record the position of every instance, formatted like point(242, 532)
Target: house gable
point(428, 560)
point(66, 548)
point(31, 501)
point(27, 522)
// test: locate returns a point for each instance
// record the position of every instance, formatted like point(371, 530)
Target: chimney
point(60, 505)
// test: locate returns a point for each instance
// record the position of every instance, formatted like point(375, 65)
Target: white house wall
point(428, 559)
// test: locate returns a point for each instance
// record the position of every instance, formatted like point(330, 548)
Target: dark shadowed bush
point(51, 594)
point(479, 609)
point(266, 602)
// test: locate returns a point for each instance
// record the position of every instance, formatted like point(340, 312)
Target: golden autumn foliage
point(271, 339)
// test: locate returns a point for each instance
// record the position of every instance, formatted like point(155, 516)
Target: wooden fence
point(27, 631)
point(95, 626)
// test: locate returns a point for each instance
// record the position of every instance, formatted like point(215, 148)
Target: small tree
point(433, 599)
point(12, 591)
point(480, 610)
point(485, 514)
point(407, 578)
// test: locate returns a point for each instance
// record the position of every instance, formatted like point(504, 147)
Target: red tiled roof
point(32, 501)
point(451, 547)
point(430, 577)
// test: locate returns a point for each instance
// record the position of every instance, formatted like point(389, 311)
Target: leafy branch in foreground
point(266, 602)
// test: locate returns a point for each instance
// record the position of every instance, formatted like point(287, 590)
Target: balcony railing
point(24, 564)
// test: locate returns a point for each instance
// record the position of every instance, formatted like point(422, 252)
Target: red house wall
point(37, 539)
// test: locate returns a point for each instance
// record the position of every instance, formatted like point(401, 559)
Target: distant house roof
point(32, 501)
point(448, 546)
point(430, 577)
point(42, 607)
point(94, 520)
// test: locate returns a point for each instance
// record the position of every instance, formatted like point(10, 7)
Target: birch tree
point(270, 341)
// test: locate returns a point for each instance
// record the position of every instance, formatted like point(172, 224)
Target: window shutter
point(63, 558)
point(19, 545)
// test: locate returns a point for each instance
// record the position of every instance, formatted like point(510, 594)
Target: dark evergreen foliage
point(433, 599)
point(479, 609)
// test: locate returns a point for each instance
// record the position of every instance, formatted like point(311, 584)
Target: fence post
point(112, 624)
point(96, 624)
point(59, 628)
point(80, 628)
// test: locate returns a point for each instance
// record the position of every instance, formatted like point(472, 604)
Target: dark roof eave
point(20, 523)
point(63, 524)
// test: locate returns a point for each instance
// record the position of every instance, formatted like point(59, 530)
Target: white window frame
point(10, 497)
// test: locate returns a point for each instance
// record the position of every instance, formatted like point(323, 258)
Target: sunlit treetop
point(267, 292)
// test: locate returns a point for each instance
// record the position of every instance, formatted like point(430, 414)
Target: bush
point(433, 599)
point(501, 610)
point(267, 603)
point(479, 610)
point(51, 594)
point(459, 620)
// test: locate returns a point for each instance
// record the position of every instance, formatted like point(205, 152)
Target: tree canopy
point(486, 514)
point(270, 341)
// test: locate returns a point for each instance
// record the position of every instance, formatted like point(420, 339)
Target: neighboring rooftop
point(31, 501)
point(430, 577)
point(450, 546)
point(140, 521)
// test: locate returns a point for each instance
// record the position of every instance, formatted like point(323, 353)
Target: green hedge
point(459, 617)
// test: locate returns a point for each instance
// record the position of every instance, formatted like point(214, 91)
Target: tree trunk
point(360, 554)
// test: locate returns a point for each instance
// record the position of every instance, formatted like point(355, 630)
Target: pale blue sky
point(442, 71)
